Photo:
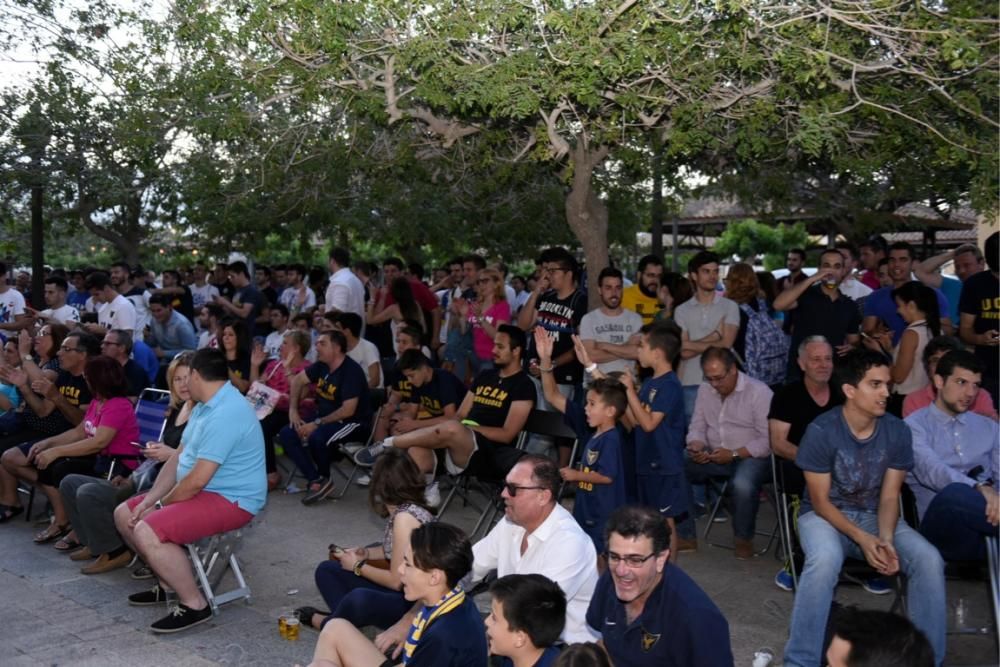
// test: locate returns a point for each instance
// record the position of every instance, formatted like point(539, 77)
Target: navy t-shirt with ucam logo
point(856, 467)
point(334, 387)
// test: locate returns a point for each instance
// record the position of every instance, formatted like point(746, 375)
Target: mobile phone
point(139, 445)
point(335, 550)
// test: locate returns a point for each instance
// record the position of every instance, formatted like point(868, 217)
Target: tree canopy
point(497, 125)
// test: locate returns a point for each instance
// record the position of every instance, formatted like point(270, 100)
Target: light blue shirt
point(946, 448)
point(12, 394)
point(225, 430)
point(174, 337)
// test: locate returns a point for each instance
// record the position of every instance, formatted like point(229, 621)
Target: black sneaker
point(153, 596)
point(324, 491)
point(181, 618)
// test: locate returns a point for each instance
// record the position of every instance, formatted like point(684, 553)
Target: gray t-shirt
point(698, 320)
point(856, 467)
point(616, 329)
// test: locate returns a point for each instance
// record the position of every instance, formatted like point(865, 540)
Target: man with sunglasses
point(536, 536)
point(647, 611)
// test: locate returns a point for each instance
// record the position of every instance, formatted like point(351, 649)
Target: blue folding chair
point(151, 416)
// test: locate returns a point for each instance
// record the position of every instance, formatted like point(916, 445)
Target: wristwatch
point(318, 421)
point(28, 357)
point(736, 455)
point(158, 505)
point(357, 567)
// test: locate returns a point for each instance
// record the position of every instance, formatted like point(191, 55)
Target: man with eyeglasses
point(117, 344)
point(648, 611)
point(728, 438)
point(558, 306)
point(536, 536)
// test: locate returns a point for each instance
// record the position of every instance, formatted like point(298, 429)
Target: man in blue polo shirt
point(214, 483)
point(880, 306)
point(647, 610)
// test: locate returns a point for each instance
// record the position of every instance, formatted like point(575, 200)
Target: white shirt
point(202, 295)
point(346, 294)
point(290, 296)
point(64, 314)
point(854, 288)
point(557, 549)
point(11, 305)
point(272, 344)
point(118, 314)
point(366, 354)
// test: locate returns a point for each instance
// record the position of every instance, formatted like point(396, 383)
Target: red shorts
point(190, 520)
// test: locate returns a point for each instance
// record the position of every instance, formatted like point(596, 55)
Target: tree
point(725, 85)
point(747, 239)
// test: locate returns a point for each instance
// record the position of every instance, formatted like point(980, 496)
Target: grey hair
point(809, 340)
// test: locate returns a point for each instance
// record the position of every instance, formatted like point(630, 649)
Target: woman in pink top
point(921, 398)
point(485, 315)
point(277, 374)
point(107, 430)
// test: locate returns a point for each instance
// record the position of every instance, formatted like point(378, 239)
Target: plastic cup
point(292, 629)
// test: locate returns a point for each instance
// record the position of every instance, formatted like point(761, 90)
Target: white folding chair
point(212, 557)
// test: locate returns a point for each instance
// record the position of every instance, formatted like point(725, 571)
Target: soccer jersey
point(661, 452)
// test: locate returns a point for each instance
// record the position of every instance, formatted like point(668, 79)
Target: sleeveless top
point(416, 511)
point(917, 377)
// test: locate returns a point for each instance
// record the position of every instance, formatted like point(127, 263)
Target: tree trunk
point(586, 213)
point(37, 248)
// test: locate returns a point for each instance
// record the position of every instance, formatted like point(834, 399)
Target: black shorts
point(492, 460)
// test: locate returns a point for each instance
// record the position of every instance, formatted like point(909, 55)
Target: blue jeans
point(955, 522)
point(315, 462)
point(746, 475)
point(826, 548)
point(358, 600)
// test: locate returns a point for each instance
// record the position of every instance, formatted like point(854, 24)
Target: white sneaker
point(351, 448)
point(363, 480)
point(432, 494)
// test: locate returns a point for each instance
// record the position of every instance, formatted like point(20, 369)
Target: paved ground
point(53, 615)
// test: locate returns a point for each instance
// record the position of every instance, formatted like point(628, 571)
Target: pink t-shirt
point(116, 413)
point(921, 398)
point(481, 341)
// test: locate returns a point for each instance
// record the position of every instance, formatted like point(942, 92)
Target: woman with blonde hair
point(485, 315)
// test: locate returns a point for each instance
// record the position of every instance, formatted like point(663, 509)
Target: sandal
point(8, 512)
point(53, 532)
point(67, 544)
point(305, 616)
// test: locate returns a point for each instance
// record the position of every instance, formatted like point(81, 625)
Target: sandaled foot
point(318, 491)
point(53, 532)
point(68, 543)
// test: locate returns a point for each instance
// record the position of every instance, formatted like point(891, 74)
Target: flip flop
point(67, 545)
point(53, 532)
point(8, 512)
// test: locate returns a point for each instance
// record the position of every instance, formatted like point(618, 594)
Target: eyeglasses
point(716, 379)
point(632, 560)
point(512, 489)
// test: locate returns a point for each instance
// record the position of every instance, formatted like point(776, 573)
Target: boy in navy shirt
point(600, 485)
point(657, 410)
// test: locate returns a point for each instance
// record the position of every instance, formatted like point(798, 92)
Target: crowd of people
point(872, 380)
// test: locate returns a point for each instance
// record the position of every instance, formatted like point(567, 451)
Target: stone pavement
point(53, 615)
